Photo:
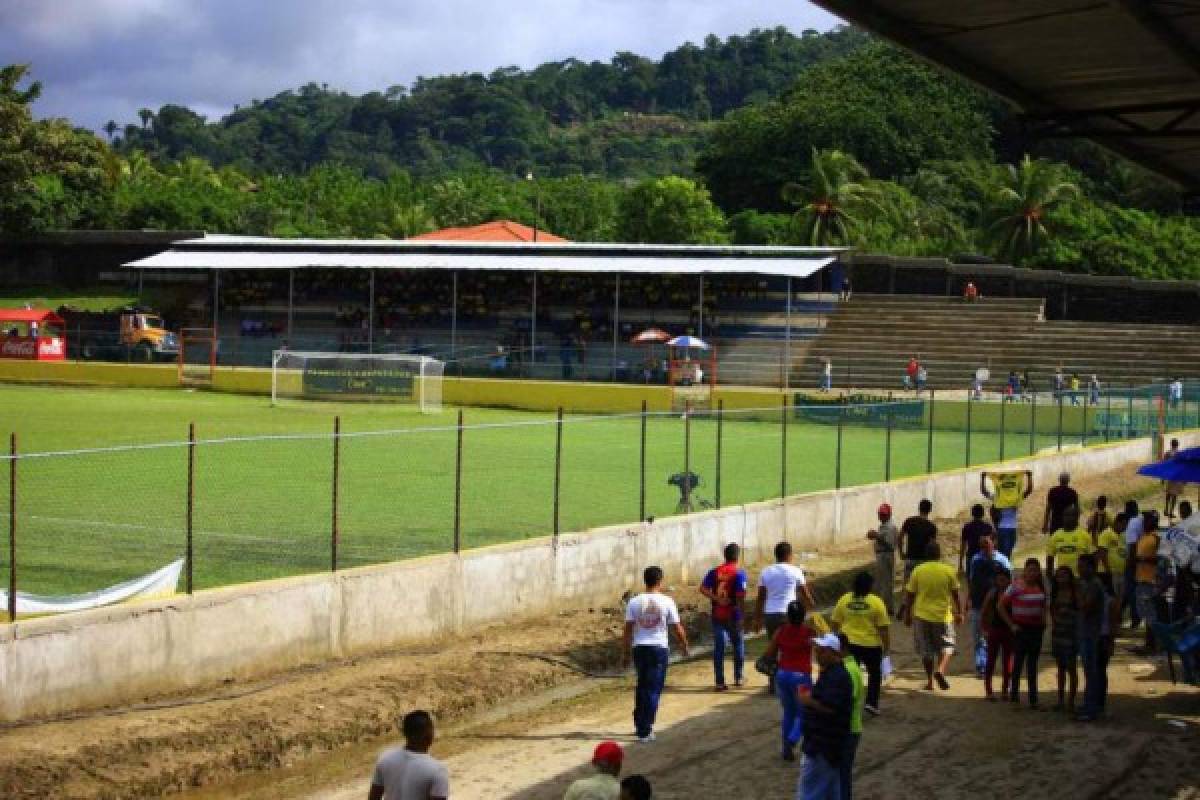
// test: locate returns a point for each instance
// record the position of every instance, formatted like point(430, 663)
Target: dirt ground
point(518, 723)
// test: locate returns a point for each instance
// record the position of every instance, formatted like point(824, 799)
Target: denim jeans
point(1006, 540)
point(1095, 674)
point(733, 629)
point(819, 780)
point(975, 617)
point(651, 666)
point(846, 768)
point(786, 684)
point(1028, 647)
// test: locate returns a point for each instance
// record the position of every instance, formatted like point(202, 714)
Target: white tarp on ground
point(160, 583)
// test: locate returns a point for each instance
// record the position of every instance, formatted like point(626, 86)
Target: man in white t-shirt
point(647, 618)
point(778, 586)
point(409, 772)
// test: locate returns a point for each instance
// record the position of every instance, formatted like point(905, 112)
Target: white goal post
point(386, 377)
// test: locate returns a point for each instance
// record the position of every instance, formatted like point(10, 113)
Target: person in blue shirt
point(981, 575)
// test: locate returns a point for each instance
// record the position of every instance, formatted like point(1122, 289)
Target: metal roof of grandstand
point(1124, 73)
point(220, 252)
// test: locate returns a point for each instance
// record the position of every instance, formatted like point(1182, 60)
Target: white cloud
point(102, 59)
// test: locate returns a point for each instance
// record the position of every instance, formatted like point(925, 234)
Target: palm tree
point(146, 115)
point(836, 192)
point(1019, 206)
point(110, 128)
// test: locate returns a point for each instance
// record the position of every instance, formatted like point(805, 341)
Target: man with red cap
point(603, 785)
point(884, 538)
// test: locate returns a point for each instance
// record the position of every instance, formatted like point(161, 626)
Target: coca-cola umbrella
point(651, 336)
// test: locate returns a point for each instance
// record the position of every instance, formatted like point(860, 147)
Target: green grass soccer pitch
point(263, 507)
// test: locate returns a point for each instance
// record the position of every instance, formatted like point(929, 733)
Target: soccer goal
point(388, 377)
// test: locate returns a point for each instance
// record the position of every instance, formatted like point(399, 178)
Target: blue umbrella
point(688, 341)
point(1184, 467)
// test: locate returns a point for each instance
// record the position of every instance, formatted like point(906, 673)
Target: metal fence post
point(720, 437)
point(458, 486)
point(12, 527)
point(929, 444)
point(1130, 427)
point(642, 470)
point(1107, 415)
point(1033, 423)
point(783, 446)
point(887, 444)
point(967, 444)
point(1060, 421)
point(837, 471)
point(337, 458)
point(190, 553)
point(687, 456)
point(1003, 426)
point(558, 428)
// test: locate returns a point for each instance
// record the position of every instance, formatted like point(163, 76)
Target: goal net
point(388, 377)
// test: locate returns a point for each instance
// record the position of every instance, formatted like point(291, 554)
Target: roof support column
point(616, 324)
point(454, 314)
point(700, 315)
point(533, 326)
point(371, 314)
point(787, 340)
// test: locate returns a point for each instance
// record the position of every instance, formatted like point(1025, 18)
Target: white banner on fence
point(160, 583)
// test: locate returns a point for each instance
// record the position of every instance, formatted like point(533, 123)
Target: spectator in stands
point(916, 534)
point(1094, 390)
point(1026, 387)
point(636, 787)
point(975, 529)
point(827, 723)
point(1058, 500)
point(1075, 385)
point(850, 743)
point(499, 361)
point(410, 772)
point(981, 578)
point(1014, 386)
point(1010, 490)
point(602, 785)
point(885, 539)
point(846, 289)
point(970, 292)
point(779, 585)
point(862, 618)
point(1175, 392)
point(977, 386)
point(647, 618)
point(922, 378)
point(1060, 382)
point(910, 372)
point(1172, 488)
point(725, 586)
point(1024, 609)
point(932, 608)
point(790, 649)
point(1133, 532)
point(827, 375)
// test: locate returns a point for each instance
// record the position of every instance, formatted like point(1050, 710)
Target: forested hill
point(628, 118)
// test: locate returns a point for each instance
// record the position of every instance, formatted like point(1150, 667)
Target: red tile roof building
point(499, 231)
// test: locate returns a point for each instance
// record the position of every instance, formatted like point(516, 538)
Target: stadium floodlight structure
point(380, 377)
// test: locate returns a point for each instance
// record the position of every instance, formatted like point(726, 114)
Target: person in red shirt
point(911, 370)
point(725, 586)
point(791, 648)
point(970, 292)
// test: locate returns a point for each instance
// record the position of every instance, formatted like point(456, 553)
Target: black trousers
point(871, 659)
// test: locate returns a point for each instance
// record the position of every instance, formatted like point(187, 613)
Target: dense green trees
point(816, 139)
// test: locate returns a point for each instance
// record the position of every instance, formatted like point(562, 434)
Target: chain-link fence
point(250, 508)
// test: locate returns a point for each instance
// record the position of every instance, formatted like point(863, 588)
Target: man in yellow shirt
point(1110, 554)
point(1008, 490)
point(932, 608)
point(861, 616)
point(1067, 544)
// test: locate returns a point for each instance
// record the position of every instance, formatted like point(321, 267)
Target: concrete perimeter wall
point(126, 653)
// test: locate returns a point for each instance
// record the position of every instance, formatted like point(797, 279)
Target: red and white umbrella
point(651, 336)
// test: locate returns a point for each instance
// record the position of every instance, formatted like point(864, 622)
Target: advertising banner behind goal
point(399, 378)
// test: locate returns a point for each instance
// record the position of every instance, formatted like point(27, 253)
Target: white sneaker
point(647, 739)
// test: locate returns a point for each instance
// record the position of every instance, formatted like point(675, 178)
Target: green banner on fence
point(862, 409)
point(350, 379)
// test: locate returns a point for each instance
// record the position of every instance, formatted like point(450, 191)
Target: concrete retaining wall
point(127, 653)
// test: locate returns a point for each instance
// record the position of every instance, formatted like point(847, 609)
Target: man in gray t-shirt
point(885, 537)
point(409, 772)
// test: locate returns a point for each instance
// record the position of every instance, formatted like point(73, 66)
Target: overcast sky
point(105, 59)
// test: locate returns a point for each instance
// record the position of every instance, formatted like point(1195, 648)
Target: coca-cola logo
point(18, 348)
point(50, 347)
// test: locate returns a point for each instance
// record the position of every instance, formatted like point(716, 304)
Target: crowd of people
point(829, 673)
